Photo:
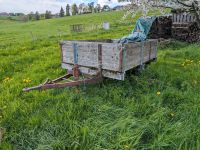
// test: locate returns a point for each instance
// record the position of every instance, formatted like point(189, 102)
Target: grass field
point(158, 109)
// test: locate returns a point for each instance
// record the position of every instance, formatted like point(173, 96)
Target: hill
point(158, 109)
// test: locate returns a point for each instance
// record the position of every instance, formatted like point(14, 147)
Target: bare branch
point(186, 5)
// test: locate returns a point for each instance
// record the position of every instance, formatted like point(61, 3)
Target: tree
point(19, 14)
point(106, 8)
point(98, 8)
point(95, 10)
point(37, 15)
point(48, 15)
point(91, 6)
point(74, 9)
point(31, 16)
point(11, 14)
point(81, 8)
point(67, 10)
point(145, 6)
point(62, 12)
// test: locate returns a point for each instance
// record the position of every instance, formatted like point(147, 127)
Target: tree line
point(72, 10)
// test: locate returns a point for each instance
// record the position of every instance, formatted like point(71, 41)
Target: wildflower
point(126, 146)
point(187, 60)
point(158, 93)
point(7, 79)
point(26, 80)
point(194, 81)
point(172, 114)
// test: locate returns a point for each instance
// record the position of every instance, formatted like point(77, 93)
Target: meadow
point(157, 109)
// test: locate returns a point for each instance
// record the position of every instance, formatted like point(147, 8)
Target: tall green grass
point(158, 109)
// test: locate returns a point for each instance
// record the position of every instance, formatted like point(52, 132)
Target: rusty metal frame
point(58, 83)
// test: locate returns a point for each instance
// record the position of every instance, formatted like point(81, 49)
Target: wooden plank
point(114, 75)
point(85, 70)
point(174, 17)
point(110, 56)
point(132, 59)
point(93, 71)
point(185, 18)
point(188, 18)
point(178, 18)
point(193, 17)
point(181, 18)
point(133, 56)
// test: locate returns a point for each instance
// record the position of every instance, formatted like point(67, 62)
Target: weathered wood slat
point(183, 18)
point(133, 57)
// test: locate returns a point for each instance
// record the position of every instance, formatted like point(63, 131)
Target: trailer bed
point(112, 57)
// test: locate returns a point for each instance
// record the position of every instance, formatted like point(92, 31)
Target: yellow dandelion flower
point(126, 146)
point(26, 80)
point(7, 79)
point(158, 93)
point(172, 114)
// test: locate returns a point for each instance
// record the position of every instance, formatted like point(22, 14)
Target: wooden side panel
point(131, 56)
point(136, 56)
point(88, 58)
point(110, 56)
point(87, 53)
point(67, 53)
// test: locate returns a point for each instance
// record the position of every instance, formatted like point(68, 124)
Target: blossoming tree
point(144, 6)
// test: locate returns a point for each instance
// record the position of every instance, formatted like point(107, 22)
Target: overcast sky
point(27, 6)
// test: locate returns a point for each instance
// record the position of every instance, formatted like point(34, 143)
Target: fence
point(89, 27)
point(184, 18)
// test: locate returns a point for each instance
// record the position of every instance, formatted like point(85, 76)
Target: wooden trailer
point(89, 62)
point(113, 58)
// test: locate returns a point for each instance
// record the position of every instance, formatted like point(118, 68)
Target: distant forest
point(69, 10)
